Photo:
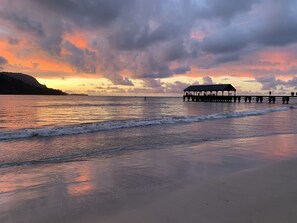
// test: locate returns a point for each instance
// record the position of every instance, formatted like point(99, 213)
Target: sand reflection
point(79, 181)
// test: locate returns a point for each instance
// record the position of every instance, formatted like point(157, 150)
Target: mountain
point(18, 83)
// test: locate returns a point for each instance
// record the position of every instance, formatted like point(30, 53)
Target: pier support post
point(285, 100)
point(235, 98)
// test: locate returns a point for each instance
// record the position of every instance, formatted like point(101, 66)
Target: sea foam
point(122, 124)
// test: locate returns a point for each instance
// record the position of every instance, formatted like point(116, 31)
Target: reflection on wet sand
point(76, 191)
point(79, 182)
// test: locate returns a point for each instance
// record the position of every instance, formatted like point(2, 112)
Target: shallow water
point(51, 129)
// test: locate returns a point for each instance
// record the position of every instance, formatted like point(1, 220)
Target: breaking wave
point(122, 124)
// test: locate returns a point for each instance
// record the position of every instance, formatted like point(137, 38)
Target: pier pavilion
point(213, 92)
point(210, 89)
point(216, 93)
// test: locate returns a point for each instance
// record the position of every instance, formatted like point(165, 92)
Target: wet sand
point(241, 180)
point(265, 195)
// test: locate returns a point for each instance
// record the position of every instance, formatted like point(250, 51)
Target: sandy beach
point(240, 180)
point(265, 195)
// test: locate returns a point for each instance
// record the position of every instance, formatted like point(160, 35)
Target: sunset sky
point(155, 47)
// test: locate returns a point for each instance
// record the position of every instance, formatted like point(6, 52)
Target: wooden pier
point(236, 98)
point(215, 93)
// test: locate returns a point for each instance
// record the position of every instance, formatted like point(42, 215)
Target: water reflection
point(74, 188)
point(79, 181)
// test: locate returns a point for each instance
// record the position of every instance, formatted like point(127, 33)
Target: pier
point(242, 98)
point(227, 93)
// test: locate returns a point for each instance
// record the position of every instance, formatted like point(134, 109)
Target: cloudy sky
point(153, 47)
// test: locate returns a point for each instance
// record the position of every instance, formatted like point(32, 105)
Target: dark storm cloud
point(277, 27)
point(134, 37)
point(269, 24)
point(231, 39)
point(23, 23)
point(146, 39)
point(225, 58)
point(83, 60)
point(225, 10)
point(88, 13)
point(181, 70)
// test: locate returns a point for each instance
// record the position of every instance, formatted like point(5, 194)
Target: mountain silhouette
point(18, 83)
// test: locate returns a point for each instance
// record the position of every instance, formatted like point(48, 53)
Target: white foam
point(109, 125)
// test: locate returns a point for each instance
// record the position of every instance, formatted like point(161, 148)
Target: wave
point(83, 156)
point(110, 125)
point(85, 105)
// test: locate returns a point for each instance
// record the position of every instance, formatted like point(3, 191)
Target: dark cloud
point(181, 70)
point(87, 13)
point(274, 24)
point(157, 86)
point(153, 39)
point(272, 83)
point(225, 10)
point(152, 83)
point(175, 88)
point(83, 60)
point(140, 36)
point(278, 24)
point(231, 39)
point(223, 58)
point(23, 23)
point(3, 60)
point(13, 41)
point(269, 82)
point(118, 79)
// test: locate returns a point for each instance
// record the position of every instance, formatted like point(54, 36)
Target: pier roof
point(211, 87)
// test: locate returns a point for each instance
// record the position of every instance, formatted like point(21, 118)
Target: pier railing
point(240, 98)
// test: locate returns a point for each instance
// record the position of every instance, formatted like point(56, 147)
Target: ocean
point(57, 148)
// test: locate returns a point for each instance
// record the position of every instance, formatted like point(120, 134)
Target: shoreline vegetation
point(23, 84)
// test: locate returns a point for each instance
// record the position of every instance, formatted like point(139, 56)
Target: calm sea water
point(83, 159)
point(42, 129)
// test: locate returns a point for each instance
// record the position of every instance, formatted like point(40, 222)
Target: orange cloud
point(78, 39)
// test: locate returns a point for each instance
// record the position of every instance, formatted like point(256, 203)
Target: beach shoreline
point(240, 180)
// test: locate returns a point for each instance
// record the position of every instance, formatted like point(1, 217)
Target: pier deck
point(238, 98)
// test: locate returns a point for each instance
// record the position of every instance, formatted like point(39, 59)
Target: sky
point(155, 47)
